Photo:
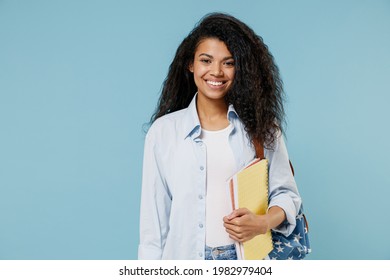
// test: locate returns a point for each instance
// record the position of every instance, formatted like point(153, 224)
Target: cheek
point(199, 71)
point(197, 78)
point(231, 75)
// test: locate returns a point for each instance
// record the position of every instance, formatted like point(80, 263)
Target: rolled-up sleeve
point(283, 190)
point(155, 204)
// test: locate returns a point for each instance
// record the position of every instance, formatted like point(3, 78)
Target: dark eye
point(205, 60)
point(229, 63)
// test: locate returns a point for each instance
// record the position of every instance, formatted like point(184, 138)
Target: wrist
point(263, 223)
point(267, 218)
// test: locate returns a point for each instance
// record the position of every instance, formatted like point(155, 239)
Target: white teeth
point(214, 83)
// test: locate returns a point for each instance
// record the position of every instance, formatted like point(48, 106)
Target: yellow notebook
point(249, 189)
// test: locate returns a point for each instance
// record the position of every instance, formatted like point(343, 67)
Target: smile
point(214, 83)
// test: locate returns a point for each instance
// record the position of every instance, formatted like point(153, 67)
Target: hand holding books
point(242, 224)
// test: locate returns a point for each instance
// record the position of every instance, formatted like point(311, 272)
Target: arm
point(284, 202)
point(155, 205)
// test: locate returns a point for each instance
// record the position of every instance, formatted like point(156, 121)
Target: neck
point(212, 113)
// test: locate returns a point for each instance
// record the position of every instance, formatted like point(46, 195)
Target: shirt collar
point(191, 121)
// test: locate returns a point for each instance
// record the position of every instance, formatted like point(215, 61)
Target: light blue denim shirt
point(172, 216)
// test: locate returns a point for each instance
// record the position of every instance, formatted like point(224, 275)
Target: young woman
point(222, 91)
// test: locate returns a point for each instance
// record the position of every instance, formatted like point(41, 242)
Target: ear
point(191, 67)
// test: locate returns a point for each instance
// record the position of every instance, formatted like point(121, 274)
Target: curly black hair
point(257, 90)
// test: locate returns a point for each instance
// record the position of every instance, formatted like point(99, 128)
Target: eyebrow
point(210, 56)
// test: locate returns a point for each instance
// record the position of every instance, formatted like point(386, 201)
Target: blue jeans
point(227, 252)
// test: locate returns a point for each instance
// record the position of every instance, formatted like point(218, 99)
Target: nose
point(216, 70)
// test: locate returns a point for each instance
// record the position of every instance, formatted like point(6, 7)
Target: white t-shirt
point(220, 165)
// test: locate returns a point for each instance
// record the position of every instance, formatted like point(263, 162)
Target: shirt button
point(200, 255)
point(200, 196)
point(200, 144)
point(201, 168)
point(201, 225)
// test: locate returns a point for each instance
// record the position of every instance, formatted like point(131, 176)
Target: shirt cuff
point(288, 225)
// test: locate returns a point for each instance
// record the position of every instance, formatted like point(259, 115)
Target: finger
point(238, 213)
point(233, 228)
point(234, 221)
point(235, 236)
point(241, 237)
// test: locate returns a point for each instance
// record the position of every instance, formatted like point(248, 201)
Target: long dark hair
point(256, 92)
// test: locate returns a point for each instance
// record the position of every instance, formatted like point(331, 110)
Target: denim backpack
point(295, 246)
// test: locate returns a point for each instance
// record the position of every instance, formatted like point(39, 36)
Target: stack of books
point(248, 188)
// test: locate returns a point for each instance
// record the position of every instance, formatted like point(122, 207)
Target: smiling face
point(213, 69)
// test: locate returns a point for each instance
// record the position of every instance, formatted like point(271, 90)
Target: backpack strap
point(259, 149)
point(260, 153)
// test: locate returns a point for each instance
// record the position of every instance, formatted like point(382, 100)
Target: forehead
point(212, 46)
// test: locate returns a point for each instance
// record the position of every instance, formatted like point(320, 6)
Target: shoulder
point(167, 124)
point(277, 144)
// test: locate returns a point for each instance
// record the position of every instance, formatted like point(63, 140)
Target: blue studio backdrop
point(79, 79)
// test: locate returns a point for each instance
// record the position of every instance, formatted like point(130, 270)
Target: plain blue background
point(78, 79)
